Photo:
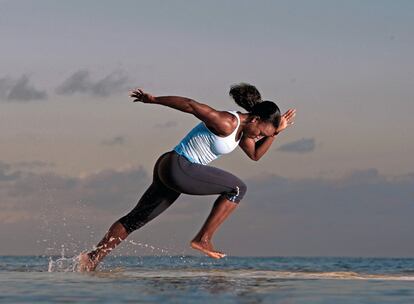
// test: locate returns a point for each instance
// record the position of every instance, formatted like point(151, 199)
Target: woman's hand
point(140, 95)
point(286, 120)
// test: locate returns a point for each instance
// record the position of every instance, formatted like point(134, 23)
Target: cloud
point(5, 174)
point(362, 213)
point(20, 90)
point(31, 165)
point(77, 83)
point(167, 124)
point(106, 189)
point(12, 217)
point(80, 83)
point(115, 141)
point(303, 145)
point(111, 83)
point(6, 83)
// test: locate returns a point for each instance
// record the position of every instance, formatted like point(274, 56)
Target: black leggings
point(173, 175)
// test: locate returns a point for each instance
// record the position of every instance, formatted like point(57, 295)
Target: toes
point(216, 255)
point(208, 251)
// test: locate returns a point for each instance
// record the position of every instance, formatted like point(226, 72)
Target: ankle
point(96, 255)
point(202, 239)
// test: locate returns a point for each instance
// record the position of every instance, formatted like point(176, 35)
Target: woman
point(185, 169)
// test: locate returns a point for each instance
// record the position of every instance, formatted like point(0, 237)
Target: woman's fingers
point(134, 95)
point(137, 94)
point(140, 96)
point(136, 91)
point(136, 98)
point(290, 114)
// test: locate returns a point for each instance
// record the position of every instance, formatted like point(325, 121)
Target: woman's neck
point(244, 118)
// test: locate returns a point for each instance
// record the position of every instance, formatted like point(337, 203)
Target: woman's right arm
point(217, 120)
point(256, 149)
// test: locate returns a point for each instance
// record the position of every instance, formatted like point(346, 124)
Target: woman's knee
point(130, 224)
point(243, 189)
point(237, 194)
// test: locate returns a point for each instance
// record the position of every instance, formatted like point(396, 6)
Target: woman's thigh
point(157, 198)
point(195, 179)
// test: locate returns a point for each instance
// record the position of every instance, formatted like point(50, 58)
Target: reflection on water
point(201, 280)
point(197, 285)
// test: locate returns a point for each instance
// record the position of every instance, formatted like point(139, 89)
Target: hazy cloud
point(6, 83)
point(77, 83)
point(113, 82)
point(19, 90)
point(30, 165)
point(167, 124)
point(81, 82)
point(5, 174)
point(303, 145)
point(363, 213)
point(116, 141)
point(12, 217)
point(106, 189)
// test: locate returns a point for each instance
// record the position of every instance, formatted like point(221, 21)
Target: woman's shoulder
point(233, 116)
point(225, 124)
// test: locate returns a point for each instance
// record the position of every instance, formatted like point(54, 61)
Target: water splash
point(63, 264)
point(153, 248)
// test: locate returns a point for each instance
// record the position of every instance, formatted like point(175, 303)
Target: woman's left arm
point(216, 120)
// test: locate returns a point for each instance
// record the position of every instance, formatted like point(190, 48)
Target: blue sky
point(65, 117)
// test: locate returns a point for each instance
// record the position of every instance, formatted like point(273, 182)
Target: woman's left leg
point(155, 200)
point(115, 235)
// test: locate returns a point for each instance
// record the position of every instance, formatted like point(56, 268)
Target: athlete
point(185, 169)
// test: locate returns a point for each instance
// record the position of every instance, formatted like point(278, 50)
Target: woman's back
point(202, 146)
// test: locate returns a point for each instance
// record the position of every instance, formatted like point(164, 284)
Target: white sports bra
point(202, 146)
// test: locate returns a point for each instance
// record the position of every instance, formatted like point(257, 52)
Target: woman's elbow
point(254, 157)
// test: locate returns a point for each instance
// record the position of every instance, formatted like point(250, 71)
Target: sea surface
point(188, 279)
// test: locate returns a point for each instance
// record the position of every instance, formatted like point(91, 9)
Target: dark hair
point(249, 98)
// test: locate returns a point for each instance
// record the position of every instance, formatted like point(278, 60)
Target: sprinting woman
point(185, 169)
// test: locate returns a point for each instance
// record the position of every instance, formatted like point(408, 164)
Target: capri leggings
point(173, 175)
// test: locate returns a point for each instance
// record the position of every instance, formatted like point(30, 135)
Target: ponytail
point(245, 95)
point(249, 98)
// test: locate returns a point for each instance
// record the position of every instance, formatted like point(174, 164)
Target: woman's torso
point(202, 146)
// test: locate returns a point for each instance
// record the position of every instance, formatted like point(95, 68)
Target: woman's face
point(257, 129)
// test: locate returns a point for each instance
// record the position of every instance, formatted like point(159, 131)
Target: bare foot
point(207, 248)
point(85, 263)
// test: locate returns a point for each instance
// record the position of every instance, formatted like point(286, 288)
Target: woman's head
point(263, 115)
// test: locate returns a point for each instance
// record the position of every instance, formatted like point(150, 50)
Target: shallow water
point(202, 280)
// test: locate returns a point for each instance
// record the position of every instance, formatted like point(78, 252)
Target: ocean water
point(188, 279)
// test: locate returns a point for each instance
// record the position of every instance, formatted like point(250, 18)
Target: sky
point(76, 154)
